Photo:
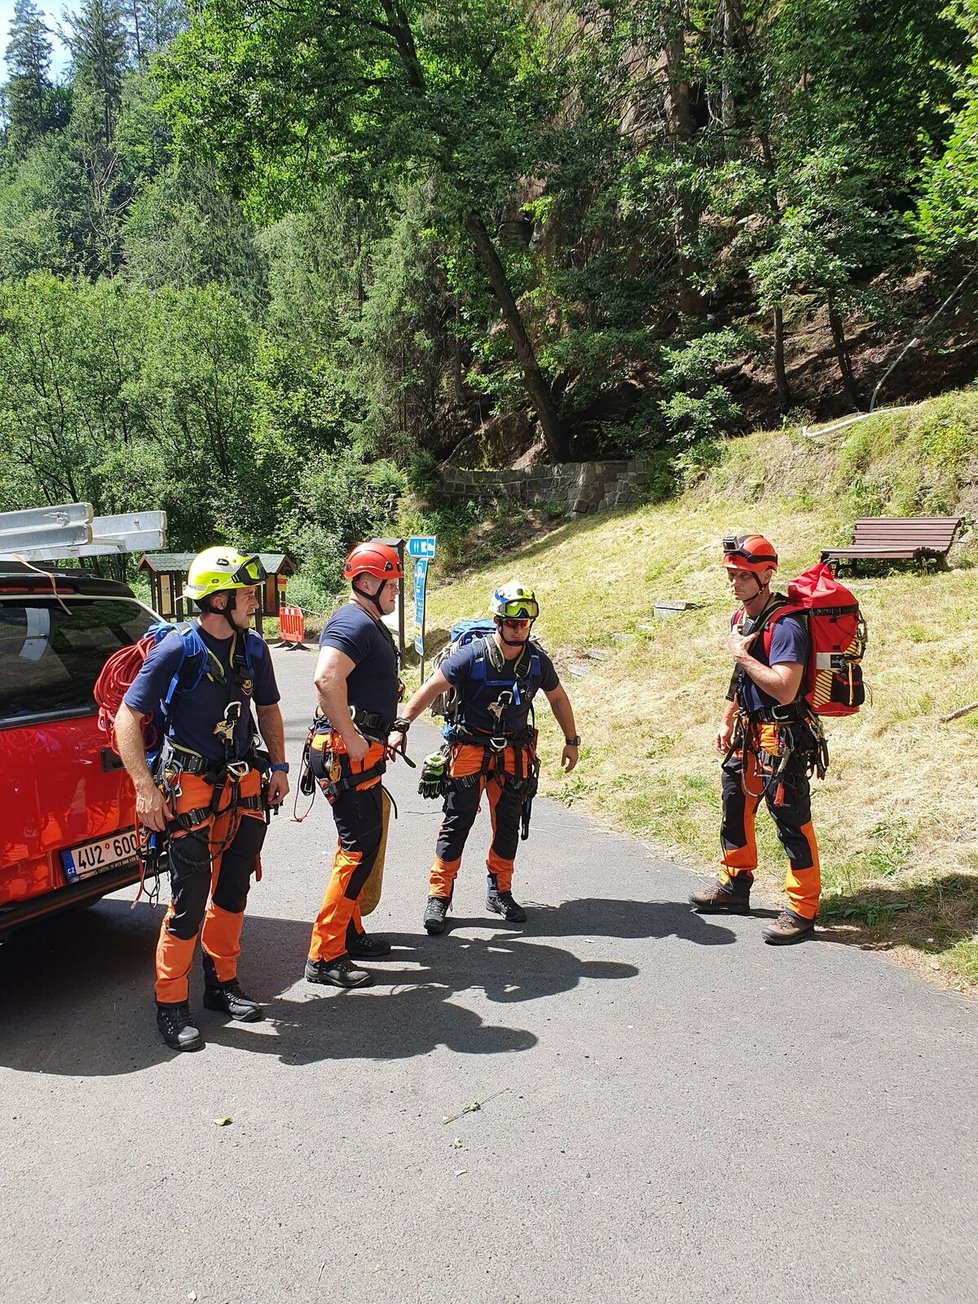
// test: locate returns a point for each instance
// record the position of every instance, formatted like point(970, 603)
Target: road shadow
point(607, 917)
point(77, 994)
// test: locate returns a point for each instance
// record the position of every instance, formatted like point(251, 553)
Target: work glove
point(432, 782)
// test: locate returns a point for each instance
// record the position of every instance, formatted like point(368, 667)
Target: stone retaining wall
point(583, 486)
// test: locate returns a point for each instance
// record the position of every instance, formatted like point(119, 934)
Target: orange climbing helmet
point(749, 552)
point(373, 558)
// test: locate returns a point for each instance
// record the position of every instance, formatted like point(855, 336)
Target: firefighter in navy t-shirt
point(358, 690)
point(768, 747)
point(492, 746)
point(206, 793)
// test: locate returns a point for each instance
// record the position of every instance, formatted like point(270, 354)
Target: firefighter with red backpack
point(771, 742)
point(491, 746)
point(205, 789)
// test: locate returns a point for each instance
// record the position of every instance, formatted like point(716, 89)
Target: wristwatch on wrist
point(573, 742)
point(280, 767)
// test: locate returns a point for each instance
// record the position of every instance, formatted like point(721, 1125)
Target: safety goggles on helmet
point(250, 572)
point(751, 552)
point(514, 602)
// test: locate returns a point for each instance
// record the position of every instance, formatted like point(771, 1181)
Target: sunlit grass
point(897, 811)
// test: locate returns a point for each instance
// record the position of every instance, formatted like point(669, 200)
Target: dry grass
point(896, 817)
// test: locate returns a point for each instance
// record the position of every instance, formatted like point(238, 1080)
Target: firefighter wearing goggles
point(767, 745)
point(491, 746)
point(206, 793)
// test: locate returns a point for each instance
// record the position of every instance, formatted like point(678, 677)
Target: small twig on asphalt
point(474, 1107)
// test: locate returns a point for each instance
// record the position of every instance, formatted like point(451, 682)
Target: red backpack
point(833, 682)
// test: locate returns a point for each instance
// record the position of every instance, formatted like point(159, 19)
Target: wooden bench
point(897, 538)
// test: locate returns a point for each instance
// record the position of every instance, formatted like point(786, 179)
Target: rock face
point(499, 441)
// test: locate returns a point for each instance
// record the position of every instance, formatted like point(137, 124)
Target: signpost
point(422, 548)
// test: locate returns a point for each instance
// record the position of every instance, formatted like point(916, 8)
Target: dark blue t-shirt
point(477, 695)
point(193, 715)
point(789, 643)
point(372, 683)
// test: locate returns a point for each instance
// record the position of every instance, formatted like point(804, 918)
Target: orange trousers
point(210, 873)
point(359, 817)
point(460, 809)
point(744, 787)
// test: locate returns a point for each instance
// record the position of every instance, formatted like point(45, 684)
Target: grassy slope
point(896, 816)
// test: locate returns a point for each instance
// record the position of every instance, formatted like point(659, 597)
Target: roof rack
point(73, 530)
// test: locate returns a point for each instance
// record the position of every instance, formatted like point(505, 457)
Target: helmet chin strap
point(370, 597)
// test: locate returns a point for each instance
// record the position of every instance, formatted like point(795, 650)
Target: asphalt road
point(669, 1110)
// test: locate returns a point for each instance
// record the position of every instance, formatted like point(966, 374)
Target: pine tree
point(29, 90)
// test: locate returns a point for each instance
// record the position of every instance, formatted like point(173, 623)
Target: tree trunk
point(537, 387)
point(679, 117)
point(842, 354)
point(780, 375)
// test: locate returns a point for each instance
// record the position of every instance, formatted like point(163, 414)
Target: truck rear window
point(50, 658)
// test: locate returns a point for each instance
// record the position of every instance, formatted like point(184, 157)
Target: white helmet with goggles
point(514, 602)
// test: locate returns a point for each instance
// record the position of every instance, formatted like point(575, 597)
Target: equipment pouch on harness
point(332, 768)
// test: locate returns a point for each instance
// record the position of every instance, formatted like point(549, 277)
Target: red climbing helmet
point(749, 552)
point(373, 558)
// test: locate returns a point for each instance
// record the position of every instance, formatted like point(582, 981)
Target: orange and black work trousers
point(746, 775)
point(210, 872)
point(461, 806)
point(358, 813)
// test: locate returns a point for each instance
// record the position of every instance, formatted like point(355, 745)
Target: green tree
point(32, 105)
point(293, 97)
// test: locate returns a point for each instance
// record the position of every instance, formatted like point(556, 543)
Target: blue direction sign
point(420, 582)
point(421, 545)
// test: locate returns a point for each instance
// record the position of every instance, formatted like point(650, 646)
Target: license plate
point(97, 857)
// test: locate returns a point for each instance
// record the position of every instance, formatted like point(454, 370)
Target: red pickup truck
point(66, 805)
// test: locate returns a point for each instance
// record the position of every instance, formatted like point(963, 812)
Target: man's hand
point(568, 758)
point(278, 787)
point(356, 746)
point(152, 810)
point(396, 744)
point(724, 736)
point(737, 645)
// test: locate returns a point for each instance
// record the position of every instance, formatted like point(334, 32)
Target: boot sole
point(325, 981)
point(501, 910)
point(197, 1044)
point(788, 941)
point(434, 929)
point(719, 909)
point(255, 1015)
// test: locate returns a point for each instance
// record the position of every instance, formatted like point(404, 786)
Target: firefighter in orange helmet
point(358, 691)
point(767, 746)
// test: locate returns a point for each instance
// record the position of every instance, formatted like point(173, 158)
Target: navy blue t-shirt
point(477, 695)
point(372, 683)
point(789, 643)
point(193, 715)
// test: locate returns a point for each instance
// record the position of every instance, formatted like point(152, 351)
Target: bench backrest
point(931, 532)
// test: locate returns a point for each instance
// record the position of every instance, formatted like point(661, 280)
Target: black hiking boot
point(363, 947)
point(502, 903)
point(176, 1028)
point(434, 914)
point(788, 928)
point(341, 972)
point(230, 999)
point(732, 898)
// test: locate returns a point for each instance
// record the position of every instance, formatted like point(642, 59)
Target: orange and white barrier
point(292, 627)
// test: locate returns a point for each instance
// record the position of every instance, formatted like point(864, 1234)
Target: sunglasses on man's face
point(512, 623)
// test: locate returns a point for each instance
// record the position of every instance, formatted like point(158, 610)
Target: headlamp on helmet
point(750, 552)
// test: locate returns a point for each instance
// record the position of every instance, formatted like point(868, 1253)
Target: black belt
point(204, 767)
point(371, 724)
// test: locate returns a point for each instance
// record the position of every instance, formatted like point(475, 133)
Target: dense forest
point(265, 263)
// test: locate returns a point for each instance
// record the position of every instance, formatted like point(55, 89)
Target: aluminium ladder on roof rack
point(73, 530)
